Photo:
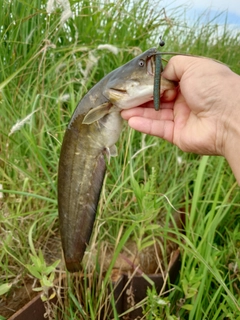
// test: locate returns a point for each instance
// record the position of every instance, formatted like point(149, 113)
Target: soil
point(22, 292)
point(19, 295)
point(129, 259)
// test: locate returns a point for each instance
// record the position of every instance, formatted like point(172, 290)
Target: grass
point(46, 67)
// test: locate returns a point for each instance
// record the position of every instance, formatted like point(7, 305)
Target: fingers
point(147, 112)
point(169, 95)
point(180, 65)
point(147, 120)
point(177, 66)
point(159, 128)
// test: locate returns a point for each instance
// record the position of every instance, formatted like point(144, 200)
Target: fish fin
point(111, 152)
point(97, 113)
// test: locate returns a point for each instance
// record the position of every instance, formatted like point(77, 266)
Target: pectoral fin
point(97, 113)
point(111, 152)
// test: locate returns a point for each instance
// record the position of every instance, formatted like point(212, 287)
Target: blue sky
point(194, 8)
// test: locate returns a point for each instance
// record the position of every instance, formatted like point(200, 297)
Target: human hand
point(204, 117)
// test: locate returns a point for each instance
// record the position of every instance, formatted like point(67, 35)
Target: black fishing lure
point(157, 77)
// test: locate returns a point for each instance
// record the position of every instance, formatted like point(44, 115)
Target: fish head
point(132, 84)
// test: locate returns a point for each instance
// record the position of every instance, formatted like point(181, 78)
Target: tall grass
point(46, 66)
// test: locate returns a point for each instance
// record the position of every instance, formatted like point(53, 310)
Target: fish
point(89, 141)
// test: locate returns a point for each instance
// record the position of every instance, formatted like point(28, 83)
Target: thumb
point(177, 66)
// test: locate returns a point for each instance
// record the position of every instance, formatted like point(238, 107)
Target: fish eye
point(141, 63)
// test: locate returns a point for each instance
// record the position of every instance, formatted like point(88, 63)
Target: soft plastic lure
point(157, 77)
point(159, 69)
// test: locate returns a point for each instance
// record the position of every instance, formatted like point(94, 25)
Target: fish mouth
point(115, 95)
point(151, 65)
point(150, 70)
point(138, 87)
point(121, 91)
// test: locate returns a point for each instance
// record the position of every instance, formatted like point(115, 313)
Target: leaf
point(4, 288)
point(147, 244)
point(51, 277)
point(172, 318)
point(49, 270)
point(33, 271)
point(52, 295)
point(46, 282)
point(38, 289)
point(43, 297)
point(190, 290)
point(162, 302)
point(187, 307)
point(41, 257)
point(55, 264)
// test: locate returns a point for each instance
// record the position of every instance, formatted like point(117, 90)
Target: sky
point(194, 8)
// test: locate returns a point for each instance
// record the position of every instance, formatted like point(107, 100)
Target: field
point(50, 56)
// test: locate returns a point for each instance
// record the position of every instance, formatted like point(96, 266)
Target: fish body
point(90, 136)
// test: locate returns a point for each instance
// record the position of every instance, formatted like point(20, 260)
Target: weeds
point(48, 61)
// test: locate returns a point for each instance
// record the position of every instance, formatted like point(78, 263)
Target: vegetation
point(49, 58)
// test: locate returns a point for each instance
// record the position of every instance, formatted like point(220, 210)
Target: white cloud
point(218, 5)
point(195, 8)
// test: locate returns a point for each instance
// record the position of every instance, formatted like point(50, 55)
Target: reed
point(49, 58)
